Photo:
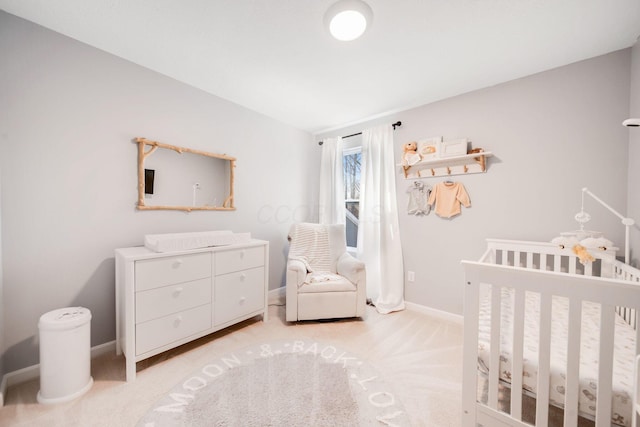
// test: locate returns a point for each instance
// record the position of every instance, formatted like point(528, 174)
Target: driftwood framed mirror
point(178, 178)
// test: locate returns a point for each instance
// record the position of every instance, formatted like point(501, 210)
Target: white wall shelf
point(458, 165)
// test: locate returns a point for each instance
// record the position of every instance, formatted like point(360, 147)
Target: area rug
point(288, 383)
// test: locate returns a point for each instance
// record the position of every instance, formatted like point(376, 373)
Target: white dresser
point(164, 300)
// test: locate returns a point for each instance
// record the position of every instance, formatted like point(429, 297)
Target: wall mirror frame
point(144, 153)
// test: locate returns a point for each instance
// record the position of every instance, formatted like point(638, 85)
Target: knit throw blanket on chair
point(310, 244)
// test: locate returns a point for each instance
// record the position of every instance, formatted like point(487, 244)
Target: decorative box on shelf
point(428, 148)
point(453, 148)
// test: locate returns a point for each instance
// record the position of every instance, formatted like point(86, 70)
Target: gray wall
point(634, 156)
point(1, 287)
point(69, 114)
point(552, 134)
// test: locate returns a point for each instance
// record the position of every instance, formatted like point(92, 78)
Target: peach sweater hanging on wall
point(448, 196)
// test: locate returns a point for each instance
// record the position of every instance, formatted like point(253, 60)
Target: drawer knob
point(177, 321)
point(242, 300)
point(242, 277)
point(177, 291)
point(178, 263)
point(242, 252)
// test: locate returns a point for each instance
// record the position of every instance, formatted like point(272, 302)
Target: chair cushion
point(326, 282)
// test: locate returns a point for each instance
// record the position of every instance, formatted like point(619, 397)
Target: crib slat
point(605, 366)
point(557, 263)
point(588, 269)
point(516, 259)
point(543, 262)
point(572, 265)
point(544, 350)
point(634, 320)
point(635, 417)
point(530, 260)
point(470, 356)
point(505, 257)
point(494, 361)
point(572, 391)
point(517, 352)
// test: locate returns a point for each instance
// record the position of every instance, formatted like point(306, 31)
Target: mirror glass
point(178, 178)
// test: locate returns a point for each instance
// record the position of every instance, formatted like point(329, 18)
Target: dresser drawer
point(165, 330)
point(154, 273)
point(239, 259)
point(159, 302)
point(238, 293)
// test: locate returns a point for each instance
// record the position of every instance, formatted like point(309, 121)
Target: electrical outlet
point(411, 276)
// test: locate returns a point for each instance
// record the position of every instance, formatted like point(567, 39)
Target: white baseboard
point(33, 372)
point(277, 296)
point(444, 315)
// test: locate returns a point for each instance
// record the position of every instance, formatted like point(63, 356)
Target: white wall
point(634, 156)
point(69, 173)
point(1, 293)
point(552, 134)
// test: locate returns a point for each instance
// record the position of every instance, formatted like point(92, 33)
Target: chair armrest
point(350, 267)
point(296, 274)
point(354, 270)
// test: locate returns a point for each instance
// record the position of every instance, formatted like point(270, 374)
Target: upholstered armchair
point(323, 280)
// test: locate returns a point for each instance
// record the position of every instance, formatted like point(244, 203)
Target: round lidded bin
point(65, 354)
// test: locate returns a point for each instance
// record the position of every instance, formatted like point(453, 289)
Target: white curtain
point(331, 183)
point(378, 231)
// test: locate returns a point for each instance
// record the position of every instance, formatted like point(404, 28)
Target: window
point(351, 160)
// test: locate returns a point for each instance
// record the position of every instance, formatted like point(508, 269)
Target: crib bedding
point(624, 352)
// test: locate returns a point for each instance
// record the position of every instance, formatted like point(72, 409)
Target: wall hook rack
point(474, 162)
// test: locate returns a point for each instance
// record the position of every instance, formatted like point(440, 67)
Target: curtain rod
point(398, 123)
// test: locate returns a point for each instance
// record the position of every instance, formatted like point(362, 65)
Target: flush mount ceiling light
point(347, 20)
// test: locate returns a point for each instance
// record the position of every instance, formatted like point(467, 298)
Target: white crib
point(570, 302)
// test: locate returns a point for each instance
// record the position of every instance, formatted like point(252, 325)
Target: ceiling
point(274, 57)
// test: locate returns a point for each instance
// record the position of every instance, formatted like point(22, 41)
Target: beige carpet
point(287, 383)
point(419, 355)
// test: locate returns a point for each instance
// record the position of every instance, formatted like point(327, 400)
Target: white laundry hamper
point(65, 354)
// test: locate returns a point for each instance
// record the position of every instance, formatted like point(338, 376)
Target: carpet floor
point(287, 383)
point(417, 356)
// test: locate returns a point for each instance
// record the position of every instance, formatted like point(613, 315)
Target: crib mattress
point(624, 350)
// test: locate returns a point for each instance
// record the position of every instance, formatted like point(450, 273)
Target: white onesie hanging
point(419, 199)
